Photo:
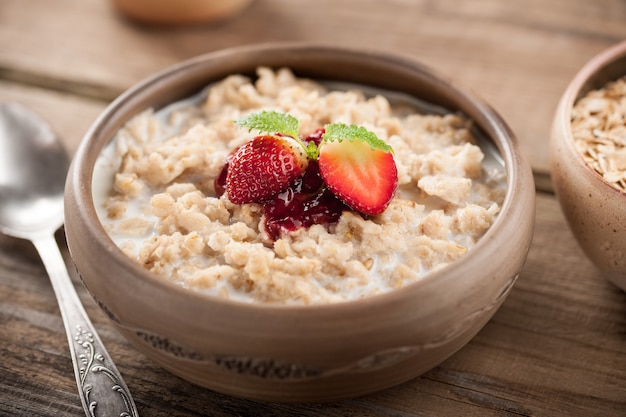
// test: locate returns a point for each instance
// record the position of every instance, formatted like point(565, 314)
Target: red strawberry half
point(362, 177)
point(263, 167)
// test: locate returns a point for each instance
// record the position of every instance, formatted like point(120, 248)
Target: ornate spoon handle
point(100, 386)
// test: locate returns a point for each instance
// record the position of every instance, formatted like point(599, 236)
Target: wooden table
point(557, 346)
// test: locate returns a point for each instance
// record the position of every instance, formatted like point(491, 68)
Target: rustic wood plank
point(518, 55)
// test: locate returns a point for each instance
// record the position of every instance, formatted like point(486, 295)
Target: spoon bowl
point(33, 167)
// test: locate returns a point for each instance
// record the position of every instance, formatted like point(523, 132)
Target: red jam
point(304, 203)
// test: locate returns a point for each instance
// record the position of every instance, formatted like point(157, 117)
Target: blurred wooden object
point(180, 12)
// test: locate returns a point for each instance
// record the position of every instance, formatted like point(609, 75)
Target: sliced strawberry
point(264, 167)
point(362, 177)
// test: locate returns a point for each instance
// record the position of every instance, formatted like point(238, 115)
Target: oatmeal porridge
point(155, 191)
point(599, 129)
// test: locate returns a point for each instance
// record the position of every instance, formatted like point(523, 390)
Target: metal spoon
point(33, 167)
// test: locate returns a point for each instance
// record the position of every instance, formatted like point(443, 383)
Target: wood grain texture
point(518, 55)
point(556, 347)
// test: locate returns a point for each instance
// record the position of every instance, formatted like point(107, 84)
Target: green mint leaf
point(271, 122)
point(340, 131)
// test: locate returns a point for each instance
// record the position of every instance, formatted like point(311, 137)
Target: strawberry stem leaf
point(312, 151)
point(340, 131)
point(271, 122)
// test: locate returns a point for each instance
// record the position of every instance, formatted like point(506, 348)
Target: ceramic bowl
point(302, 353)
point(595, 210)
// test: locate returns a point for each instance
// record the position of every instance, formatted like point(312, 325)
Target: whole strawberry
point(263, 167)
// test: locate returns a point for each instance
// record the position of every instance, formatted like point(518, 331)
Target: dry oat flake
point(599, 129)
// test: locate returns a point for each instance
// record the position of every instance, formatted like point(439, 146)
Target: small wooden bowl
point(301, 353)
point(595, 210)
